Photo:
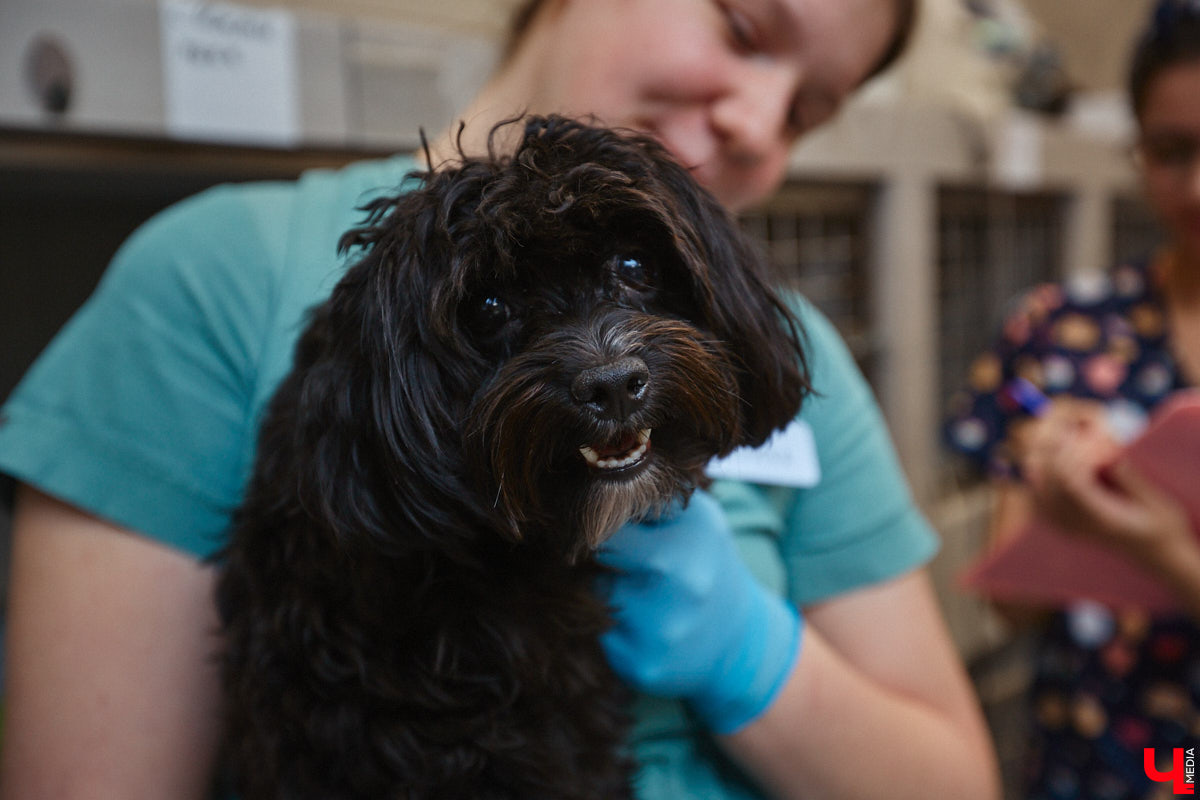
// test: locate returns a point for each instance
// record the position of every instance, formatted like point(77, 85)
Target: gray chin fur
point(611, 504)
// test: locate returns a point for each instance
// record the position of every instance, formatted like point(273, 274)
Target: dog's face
point(560, 340)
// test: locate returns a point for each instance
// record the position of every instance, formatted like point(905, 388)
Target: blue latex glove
point(692, 622)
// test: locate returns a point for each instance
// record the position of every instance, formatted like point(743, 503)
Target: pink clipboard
point(1043, 565)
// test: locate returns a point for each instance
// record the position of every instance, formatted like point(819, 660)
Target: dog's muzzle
point(614, 392)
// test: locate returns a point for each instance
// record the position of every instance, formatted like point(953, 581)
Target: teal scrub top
point(144, 411)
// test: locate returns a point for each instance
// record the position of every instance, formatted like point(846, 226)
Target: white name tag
point(789, 458)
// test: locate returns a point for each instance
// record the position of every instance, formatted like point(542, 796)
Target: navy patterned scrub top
point(1106, 685)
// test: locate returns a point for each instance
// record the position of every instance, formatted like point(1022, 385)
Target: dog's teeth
point(631, 457)
point(593, 458)
point(590, 455)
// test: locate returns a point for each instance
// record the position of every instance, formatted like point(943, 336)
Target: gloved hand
point(692, 622)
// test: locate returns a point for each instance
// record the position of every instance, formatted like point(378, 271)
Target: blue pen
point(1027, 396)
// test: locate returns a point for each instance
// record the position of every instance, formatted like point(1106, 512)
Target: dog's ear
point(732, 289)
point(767, 340)
point(376, 391)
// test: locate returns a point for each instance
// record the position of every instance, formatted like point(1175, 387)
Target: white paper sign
point(789, 458)
point(229, 72)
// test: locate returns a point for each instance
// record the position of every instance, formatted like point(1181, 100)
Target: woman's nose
point(752, 119)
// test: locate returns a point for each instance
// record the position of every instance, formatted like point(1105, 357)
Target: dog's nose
point(614, 390)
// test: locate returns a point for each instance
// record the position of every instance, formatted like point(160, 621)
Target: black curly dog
point(531, 351)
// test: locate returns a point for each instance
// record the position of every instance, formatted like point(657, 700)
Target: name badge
point(788, 458)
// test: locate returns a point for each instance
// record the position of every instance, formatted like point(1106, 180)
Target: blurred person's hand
point(1072, 465)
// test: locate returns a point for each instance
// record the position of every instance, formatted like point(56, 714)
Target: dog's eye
point(489, 315)
point(494, 312)
point(633, 270)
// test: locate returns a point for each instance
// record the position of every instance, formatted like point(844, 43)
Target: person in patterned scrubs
point(1107, 349)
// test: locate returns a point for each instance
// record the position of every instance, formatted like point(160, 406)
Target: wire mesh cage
point(991, 247)
point(816, 237)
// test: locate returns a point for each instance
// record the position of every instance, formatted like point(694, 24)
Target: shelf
point(41, 162)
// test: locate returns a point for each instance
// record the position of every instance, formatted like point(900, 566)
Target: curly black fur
point(408, 592)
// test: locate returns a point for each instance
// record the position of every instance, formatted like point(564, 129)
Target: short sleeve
point(138, 410)
point(859, 525)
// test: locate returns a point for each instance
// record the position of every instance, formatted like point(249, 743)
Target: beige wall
point(1095, 36)
point(946, 68)
point(486, 17)
point(942, 69)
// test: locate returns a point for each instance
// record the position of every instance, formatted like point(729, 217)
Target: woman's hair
point(906, 19)
point(518, 26)
point(1171, 38)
